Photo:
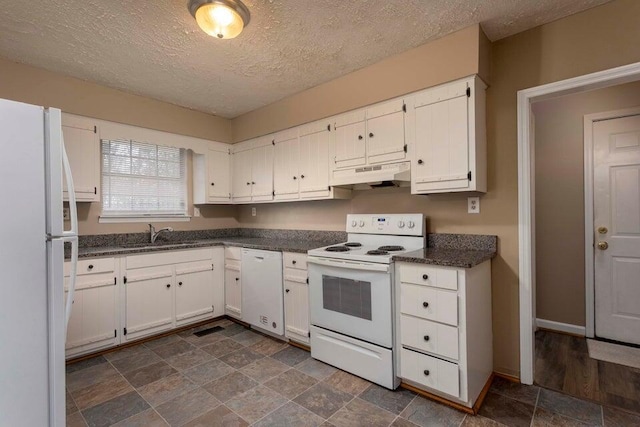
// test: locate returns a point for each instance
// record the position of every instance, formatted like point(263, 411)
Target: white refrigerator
point(33, 318)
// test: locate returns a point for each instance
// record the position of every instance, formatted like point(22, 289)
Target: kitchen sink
point(156, 244)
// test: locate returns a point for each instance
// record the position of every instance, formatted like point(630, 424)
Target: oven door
point(351, 298)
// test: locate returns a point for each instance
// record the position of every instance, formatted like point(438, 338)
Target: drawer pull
point(426, 337)
point(425, 276)
point(426, 372)
point(90, 267)
point(425, 304)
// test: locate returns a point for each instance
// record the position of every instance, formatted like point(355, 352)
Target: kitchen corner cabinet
point(212, 175)
point(252, 167)
point(444, 331)
point(233, 282)
point(446, 133)
point(82, 144)
point(296, 297)
point(94, 316)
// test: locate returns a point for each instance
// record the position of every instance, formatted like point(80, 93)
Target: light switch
point(473, 205)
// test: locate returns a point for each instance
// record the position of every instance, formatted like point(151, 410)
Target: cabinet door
point(149, 301)
point(385, 137)
point(285, 172)
point(296, 310)
point(314, 162)
point(233, 293)
point(350, 144)
point(194, 292)
point(242, 174)
point(262, 172)
point(441, 142)
point(219, 168)
point(83, 149)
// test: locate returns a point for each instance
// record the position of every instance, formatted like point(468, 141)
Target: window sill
point(106, 219)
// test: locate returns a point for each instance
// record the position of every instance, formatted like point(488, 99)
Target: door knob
point(603, 230)
point(603, 246)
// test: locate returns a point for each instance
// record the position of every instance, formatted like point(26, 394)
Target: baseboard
point(561, 327)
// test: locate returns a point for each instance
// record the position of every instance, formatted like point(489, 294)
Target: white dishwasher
point(262, 298)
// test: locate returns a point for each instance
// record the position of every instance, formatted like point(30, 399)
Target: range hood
point(387, 175)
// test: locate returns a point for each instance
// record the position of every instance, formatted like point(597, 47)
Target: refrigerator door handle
point(71, 235)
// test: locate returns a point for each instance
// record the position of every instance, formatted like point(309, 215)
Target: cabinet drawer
point(293, 275)
point(91, 266)
point(429, 336)
point(430, 276)
point(233, 253)
point(430, 372)
point(298, 261)
point(429, 303)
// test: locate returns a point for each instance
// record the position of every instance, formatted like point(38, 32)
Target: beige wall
point(594, 40)
point(560, 275)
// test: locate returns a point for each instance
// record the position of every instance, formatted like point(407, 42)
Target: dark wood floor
point(563, 364)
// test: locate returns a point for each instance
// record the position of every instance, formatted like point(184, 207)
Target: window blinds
point(141, 179)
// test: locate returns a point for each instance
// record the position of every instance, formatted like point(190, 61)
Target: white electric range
point(351, 294)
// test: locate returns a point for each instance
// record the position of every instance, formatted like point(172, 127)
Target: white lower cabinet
point(444, 331)
point(200, 290)
point(296, 297)
point(94, 315)
point(233, 282)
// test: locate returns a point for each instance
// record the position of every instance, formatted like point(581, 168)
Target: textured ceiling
point(154, 47)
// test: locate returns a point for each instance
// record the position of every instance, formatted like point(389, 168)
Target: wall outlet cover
point(473, 205)
point(253, 212)
point(196, 211)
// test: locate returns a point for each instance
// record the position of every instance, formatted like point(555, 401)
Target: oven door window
point(347, 296)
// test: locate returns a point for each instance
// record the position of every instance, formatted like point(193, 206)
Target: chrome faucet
point(155, 234)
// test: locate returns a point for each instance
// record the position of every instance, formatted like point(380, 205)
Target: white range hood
point(393, 174)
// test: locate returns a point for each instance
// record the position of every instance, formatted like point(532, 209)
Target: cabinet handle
point(359, 136)
point(426, 337)
point(370, 134)
point(425, 277)
point(425, 304)
point(212, 184)
point(294, 262)
point(287, 290)
point(302, 176)
point(426, 372)
point(179, 283)
point(90, 267)
point(420, 161)
point(168, 285)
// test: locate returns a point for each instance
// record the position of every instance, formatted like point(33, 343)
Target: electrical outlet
point(473, 205)
point(196, 211)
point(66, 214)
point(253, 212)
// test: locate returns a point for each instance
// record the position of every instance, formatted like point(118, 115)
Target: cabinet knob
point(425, 304)
point(90, 267)
point(295, 177)
point(179, 283)
point(426, 337)
point(253, 183)
point(294, 262)
point(287, 290)
point(425, 276)
point(370, 134)
point(212, 184)
point(302, 176)
point(359, 136)
point(248, 183)
point(426, 372)
point(237, 279)
point(420, 161)
point(168, 285)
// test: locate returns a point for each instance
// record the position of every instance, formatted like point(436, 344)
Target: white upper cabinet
point(385, 132)
point(219, 167)
point(82, 144)
point(445, 129)
point(262, 170)
point(241, 172)
point(314, 159)
point(286, 179)
point(350, 142)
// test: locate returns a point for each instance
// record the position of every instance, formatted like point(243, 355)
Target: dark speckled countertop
point(453, 250)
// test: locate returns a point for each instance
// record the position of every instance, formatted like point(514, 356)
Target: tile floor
point(236, 377)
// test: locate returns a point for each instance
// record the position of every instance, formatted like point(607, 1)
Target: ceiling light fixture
point(224, 19)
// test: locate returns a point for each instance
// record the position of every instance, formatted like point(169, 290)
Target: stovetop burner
point(337, 249)
point(353, 244)
point(377, 252)
point(391, 248)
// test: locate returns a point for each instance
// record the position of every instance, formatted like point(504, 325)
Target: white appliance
point(32, 310)
point(351, 294)
point(262, 297)
point(396, 174)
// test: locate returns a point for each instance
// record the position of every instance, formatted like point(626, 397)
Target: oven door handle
point(349, 264)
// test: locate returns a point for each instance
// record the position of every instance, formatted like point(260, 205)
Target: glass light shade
point(219, 20)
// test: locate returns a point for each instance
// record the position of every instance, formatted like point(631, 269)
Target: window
point(143, 180)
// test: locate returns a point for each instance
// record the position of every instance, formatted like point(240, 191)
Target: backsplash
point(474, 242)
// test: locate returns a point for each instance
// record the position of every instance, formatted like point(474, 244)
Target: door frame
point(589, 234)
point(526, 201)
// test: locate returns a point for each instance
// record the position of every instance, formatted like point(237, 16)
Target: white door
point(385, 132)
point(242, 174)
point(350, 145)
point(194, 292)
point(233, 292)
point(83, 149)
point(285, 172)
point(617, 209)
point(296, 310)
point(314, 162)
point(440, 128)
point(219, 165)
point(149, 301)
point(262, 172)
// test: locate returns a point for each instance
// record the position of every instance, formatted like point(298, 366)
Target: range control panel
point(394, 224)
